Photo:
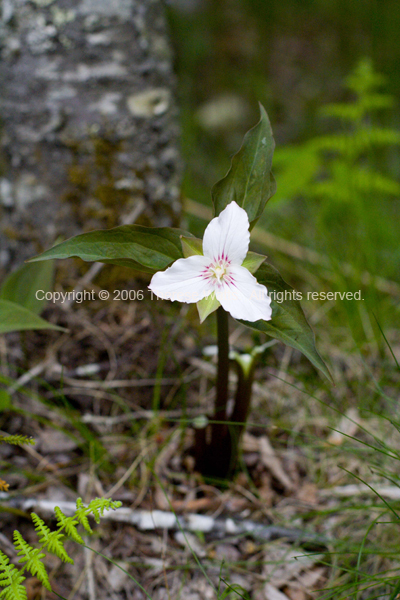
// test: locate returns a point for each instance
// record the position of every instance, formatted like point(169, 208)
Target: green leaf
point(191, 246)
point(147, 249)
point(81, 514)
point(11, 580)
point(98, 506)
point(5, 400)
point(288, 323)
point(17, 440)
point(50, 540)
point(21, 286)
point(249, 181)
point(33, 559)
point(69, 524)
point(14, 317)
point(253, 261)
point(207, 306)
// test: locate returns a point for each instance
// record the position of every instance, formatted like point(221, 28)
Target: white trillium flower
point(219, 270)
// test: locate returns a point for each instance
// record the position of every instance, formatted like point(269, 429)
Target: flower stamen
point(218, 271)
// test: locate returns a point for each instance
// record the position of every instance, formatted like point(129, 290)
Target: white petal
point(228, 235)
point(183, 281)
point(244, 298)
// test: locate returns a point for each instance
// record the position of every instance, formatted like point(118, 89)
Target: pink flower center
point(218, 271)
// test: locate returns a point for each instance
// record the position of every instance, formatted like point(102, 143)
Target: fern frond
point(33, 559)
point(382, 136)
point(11, 580)
point(99, 505)
point(355, 144)
point(52, 540)
point(69, 524)
point(360, 109)
point(95, 508)
point(40, 526)
point(11, 577)
point(54, 544)
point(364, 77)
point(81, 514)
point(17, 440)
point(345, 112)
point(373, 181)
point(374, 102)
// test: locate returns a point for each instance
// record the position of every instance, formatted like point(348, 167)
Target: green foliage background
point(326, 73)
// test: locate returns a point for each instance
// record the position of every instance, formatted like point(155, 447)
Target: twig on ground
point(149, 520)
point(125, 383)
point(347, 491)
point(91, 586)
point(138, 414)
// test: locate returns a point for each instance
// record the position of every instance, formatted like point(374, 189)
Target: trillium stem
point(221, 400)
point(214, 455)
point(241, 407)
point(218, 457)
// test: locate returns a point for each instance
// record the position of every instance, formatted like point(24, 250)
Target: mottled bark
point(88, 120)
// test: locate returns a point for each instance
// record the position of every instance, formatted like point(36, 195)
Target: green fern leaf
point(17, 440)
point(11, 580)
point(15, 591)
point(373, 181)
point(95, 508)
point(52, 540)
point(346, 112)
point(374, 102)
point(11, 577)
point(69, 524)
point(40, 526)
point(54, 544)
point(81, 514)
point(33, 559)
point(99, 505)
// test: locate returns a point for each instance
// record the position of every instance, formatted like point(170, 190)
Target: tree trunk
point(88, 120)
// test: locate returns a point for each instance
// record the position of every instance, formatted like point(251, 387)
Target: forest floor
point(113, 405)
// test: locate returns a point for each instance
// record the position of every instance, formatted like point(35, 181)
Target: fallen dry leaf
point(308, 493)
point(295, 593)
point(33, 588)
point(268, 457)
point(196, 505)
